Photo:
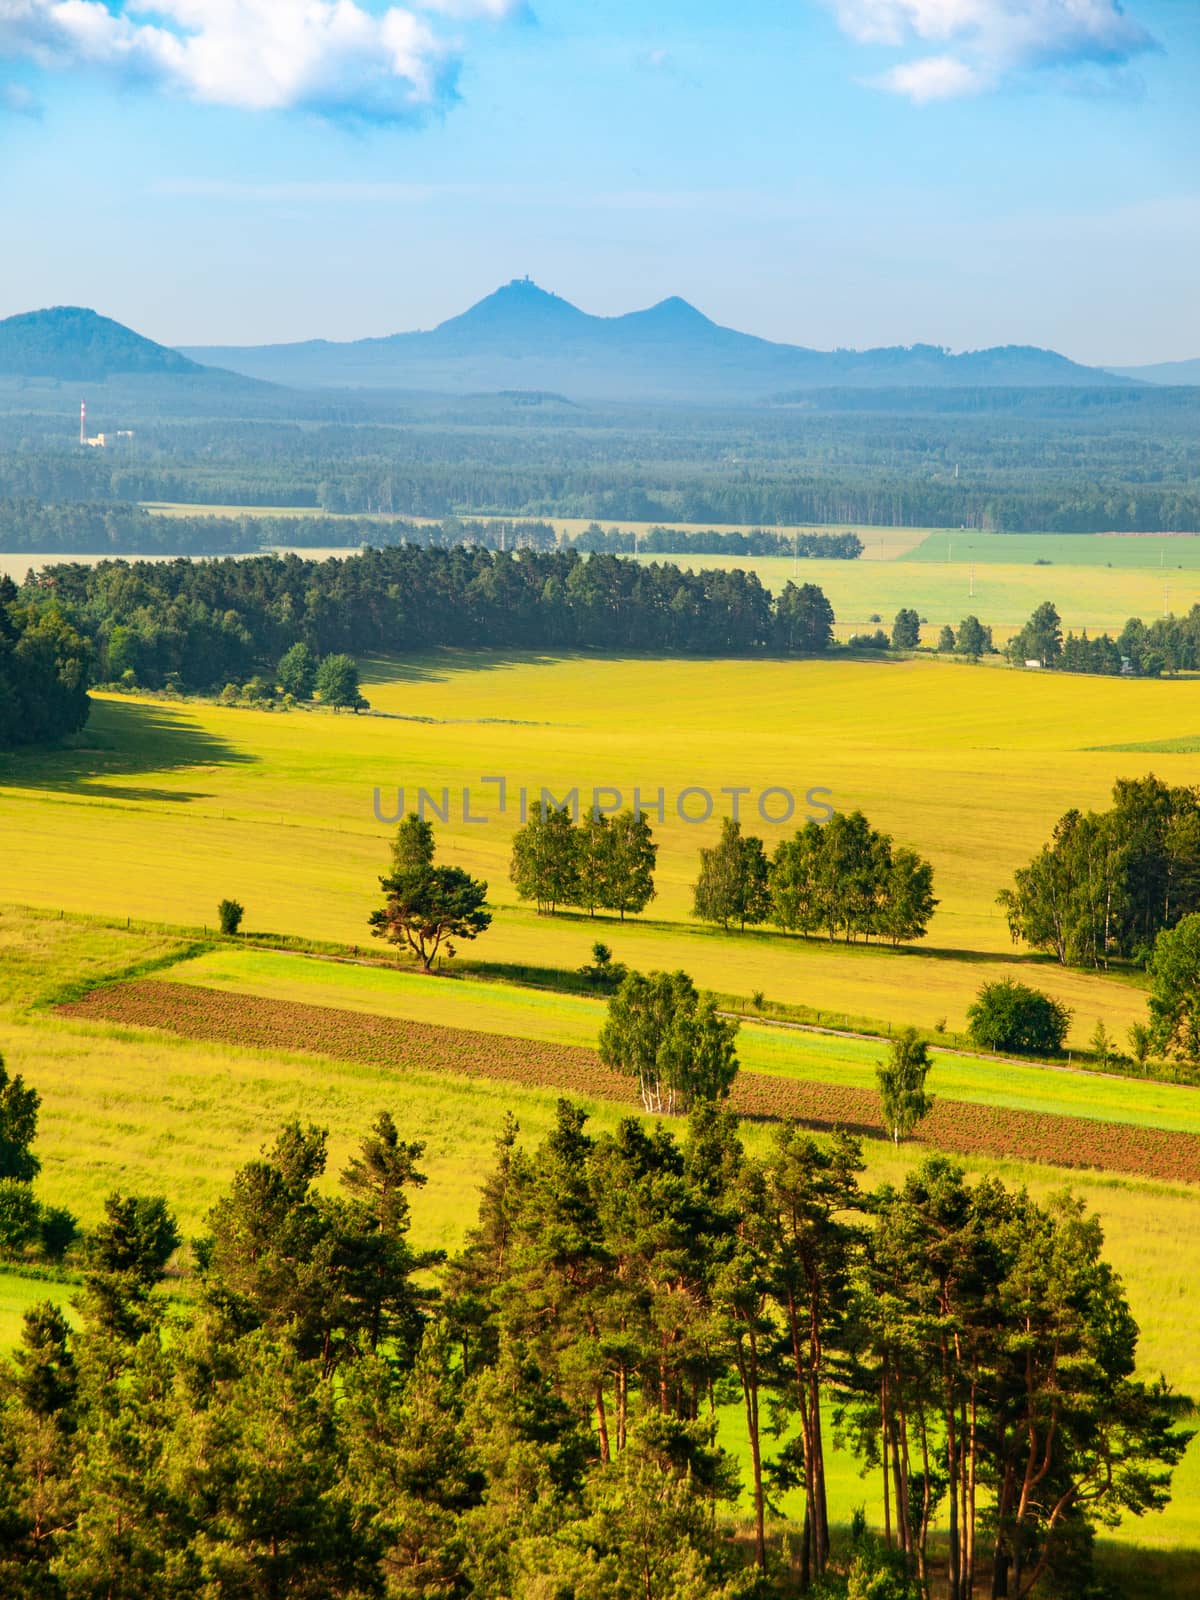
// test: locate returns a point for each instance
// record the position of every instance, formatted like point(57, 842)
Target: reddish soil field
point(954, 1125)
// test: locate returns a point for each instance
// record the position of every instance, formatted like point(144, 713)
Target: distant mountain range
point(521, 337)
point(1174, 373)
point(523, 340)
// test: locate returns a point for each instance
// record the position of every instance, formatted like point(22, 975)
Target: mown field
point(173, 806)
point(145, 1111)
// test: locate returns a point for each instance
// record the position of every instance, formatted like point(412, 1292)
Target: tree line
point(202, 625)
point(714, 541)
point(337, 1414)
point(96, 528)
point(1145, 650)
point(841, 878)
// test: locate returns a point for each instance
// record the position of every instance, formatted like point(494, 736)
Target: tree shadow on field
point(437, 666)
point(1142, 1573)
point(122, 738)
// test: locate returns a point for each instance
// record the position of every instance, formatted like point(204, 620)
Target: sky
point(823, 172)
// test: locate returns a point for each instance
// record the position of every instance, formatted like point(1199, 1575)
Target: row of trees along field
point(840, 878)
point(1146, 650)
point(335, 1414)
point(45, 666)
point(713, 541)
point(204, 625)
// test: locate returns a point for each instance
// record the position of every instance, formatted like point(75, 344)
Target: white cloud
point(933, 78)
point(332, 57)
point(981, 42)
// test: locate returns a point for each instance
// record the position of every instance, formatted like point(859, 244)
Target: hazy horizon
point(827, 173)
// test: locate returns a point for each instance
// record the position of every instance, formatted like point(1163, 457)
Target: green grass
point(19, 1292)
point(1189, 745)
point(787, 1052)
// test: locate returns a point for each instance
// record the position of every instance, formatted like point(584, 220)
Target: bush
point(58, 1231)
point(230, 914)
point(602, 972)
point(20, 1217)
point(1012, 1016)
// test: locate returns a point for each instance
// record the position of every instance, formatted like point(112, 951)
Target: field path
point(253, 1022)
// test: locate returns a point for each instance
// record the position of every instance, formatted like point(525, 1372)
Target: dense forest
point(328, 1411)
point(45, 667)
point(1124, 459)
point(199, 625)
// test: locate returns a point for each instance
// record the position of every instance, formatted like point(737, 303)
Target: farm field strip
point(367, 1038)
point(793, 1052)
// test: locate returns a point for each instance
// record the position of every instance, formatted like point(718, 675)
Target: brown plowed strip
point(258, 1023)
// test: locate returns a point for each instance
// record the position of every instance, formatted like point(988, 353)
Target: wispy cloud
point(979, 44)
point(20, 101)
point(335, 58)
point(337, 191)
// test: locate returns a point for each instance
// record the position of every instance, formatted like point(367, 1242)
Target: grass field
point(1090, 596)
point(123, 1108)
point(175, 806)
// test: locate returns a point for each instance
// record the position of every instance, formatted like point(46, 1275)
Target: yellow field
point(168, 808)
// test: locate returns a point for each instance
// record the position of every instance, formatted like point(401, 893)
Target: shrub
point(58, 1231)
point(230, 914)
point(1012, 1016)
point(602, 972)
point(19, 1217)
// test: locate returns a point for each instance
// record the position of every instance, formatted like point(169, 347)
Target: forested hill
point(73, 344)
point(520, 337)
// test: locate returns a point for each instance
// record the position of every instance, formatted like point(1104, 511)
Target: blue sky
point(828, 172)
